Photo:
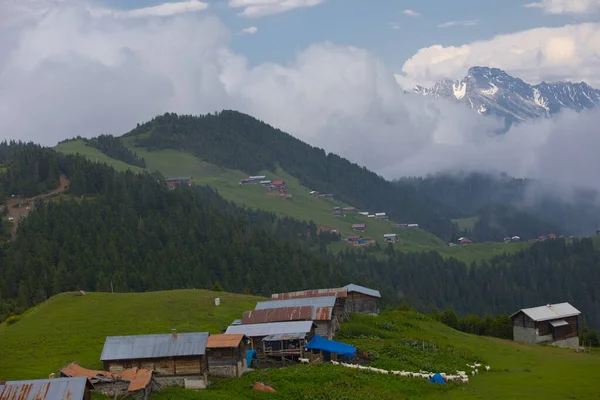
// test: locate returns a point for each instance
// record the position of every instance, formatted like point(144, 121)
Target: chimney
point(174, 333)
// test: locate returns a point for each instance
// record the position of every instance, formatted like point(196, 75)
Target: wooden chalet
point(277, 339)
point(47, 389)
point(226, 355)
point(390, 237)
point(359, 227)
point(167, 355)
point(317, 309)
point(555, 324)
point(173, 182)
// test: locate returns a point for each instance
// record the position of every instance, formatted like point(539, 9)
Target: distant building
point(365, 213)
point(412, 225)
point(390, 237)
point(46, 389)
point(349, 209)
point(278, 183)
point(507, 240)
point(167, 354)
point(515, 238)
point(381, 215)
point(555, 324)
point(173, 182)
point(359, 227)
point(354, 238)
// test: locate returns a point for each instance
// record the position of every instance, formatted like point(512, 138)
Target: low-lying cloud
point(70, 73)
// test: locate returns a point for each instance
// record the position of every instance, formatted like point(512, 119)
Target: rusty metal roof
point(257, 330)
point(45, 389)
point(138, 378)
point(154, 346)
point(224, 340)
point(337, 292)
point(298, 313)
point(324, 301)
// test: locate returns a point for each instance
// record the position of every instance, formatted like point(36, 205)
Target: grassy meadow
point(72, 328)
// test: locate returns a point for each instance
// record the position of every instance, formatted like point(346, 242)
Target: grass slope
point(69, 327)
point(466, 223)
point(73, 328)
point(302, 205)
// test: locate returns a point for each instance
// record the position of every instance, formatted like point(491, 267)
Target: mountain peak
point(491, 91)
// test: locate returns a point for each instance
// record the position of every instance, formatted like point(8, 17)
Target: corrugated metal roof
point(548, 312)
point(255, 330)
point(299, 313)
point(44, 389)
point(560, 322)
point(390, 235)
point(285, 336)
point(154, 346)
point(324, 301)
point(337, 292)
point(224, 340)
point(138, 378)
point(236, 322)
point(361, 289)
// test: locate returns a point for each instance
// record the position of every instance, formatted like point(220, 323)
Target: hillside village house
point(46, 389)
point(226, 355)
point(390, 237)
point(359, 227)
point(173, 182)
point(167, 354)
point(277, 339)
point(350, 298)
point(556, 324)
point(320, 310)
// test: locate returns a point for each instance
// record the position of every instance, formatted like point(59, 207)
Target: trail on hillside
point(20, 212)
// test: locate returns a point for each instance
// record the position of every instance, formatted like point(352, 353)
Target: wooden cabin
point(173, 182)
point(361, 300)
point(47, 389)
point(167, 355)
point(321, 310)
point(226, 355)
point(555, 324)
point(294, 333)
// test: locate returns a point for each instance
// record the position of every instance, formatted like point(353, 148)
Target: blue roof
point(361, 289)
point(323, 301)
point(154, 346)
point(322, 344)
point(44, 389)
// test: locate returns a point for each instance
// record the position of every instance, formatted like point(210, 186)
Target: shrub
point(13, 319)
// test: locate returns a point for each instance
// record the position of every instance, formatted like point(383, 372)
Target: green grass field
point(466, 223)
point(72, 328)
point(301, 205)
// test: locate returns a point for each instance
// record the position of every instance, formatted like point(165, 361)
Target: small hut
point(226, 355)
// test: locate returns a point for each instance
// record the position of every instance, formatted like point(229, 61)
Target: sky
point(330, 72)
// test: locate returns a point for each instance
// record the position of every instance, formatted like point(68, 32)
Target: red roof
point(277, 183)
point(300, 313)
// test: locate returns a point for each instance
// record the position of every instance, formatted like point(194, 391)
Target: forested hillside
point(541, 209)
point(239, 141)
point(127, 232)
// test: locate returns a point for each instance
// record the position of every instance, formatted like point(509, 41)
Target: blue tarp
point(322, 344)
point(437, 378)
point(250, 354)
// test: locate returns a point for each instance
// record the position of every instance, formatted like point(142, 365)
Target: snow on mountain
point(491, 91)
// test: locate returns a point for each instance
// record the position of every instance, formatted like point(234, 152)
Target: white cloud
point(161, 10)
point(72, 74)
point(566, 6)
point(395, 25)
point(450, 24)
point(260, 8)
point(411, 13)
point(571, 53)
point(251, 30)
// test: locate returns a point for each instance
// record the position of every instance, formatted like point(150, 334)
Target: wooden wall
point(361, 303)
point(192, 365)
point(226, 356)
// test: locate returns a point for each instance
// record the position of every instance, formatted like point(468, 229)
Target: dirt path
point(15, 214)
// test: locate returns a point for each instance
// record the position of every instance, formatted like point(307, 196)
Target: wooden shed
point(361, 300)
point(226, 355)
point(294, 333)
point(321, 310)
point(555, 324)
point(166, 354)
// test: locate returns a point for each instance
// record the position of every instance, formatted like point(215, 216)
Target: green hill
point(72, 328)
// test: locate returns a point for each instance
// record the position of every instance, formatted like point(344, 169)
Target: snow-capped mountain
point(492, 91)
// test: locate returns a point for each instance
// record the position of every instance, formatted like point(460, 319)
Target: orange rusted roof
point(224, 340)
point(75, 369)
point(297, 313)
point(138, 378)
point(337, 292)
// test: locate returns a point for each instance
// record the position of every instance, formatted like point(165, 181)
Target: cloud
point(70, 73)
point(161, 10)
point(458, 23)
point(566, 6)
point(395, 25)
point(411, 13)
point(570, 53)
point(261, 8)
point(251, 30)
